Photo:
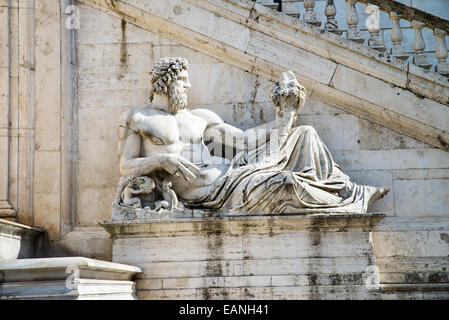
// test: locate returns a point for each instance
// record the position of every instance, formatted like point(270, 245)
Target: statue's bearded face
point(177, 92)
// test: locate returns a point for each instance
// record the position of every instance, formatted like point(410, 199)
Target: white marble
point(17, 241)
point(66, 278)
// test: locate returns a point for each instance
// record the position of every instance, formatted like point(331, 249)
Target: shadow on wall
point(42, 246)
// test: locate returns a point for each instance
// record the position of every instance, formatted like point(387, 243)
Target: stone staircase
point(403, 32)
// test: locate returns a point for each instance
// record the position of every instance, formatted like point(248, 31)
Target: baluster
point(353, 33)
point(331, 24)
point(419, 45)
point(441, 52)
point(310, 15)
point(375, 41)
point(269, 4)
point(397, 50)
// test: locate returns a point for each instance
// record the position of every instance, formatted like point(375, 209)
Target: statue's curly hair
point(164, 72)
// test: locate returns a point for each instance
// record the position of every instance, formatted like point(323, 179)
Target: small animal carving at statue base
point(130, 187)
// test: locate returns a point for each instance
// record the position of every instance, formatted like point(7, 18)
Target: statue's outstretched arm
point(240, 139)
point(233, 137)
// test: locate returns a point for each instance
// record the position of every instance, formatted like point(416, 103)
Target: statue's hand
point(175, 165)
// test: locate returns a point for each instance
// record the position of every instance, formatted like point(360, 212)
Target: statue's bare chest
point(166, 129)
point(191, 127)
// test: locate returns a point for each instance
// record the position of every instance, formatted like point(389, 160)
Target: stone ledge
point(58, 289)
point(66, 278)
point(242, 224)
point(413, 224)
point(17, 240)
point(44, 269)
point(415, 287)
point(343, 292)
point(81, 289)
point(16, 229)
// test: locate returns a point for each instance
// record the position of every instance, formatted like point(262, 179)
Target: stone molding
point(6, 210)
point(415, 287)
point(242, 224)
point(17, 229)
point(17, 240)
point(270, 31)
point(28, 269)
point(46, 278)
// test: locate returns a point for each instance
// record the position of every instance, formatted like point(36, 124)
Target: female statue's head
point(288, 93)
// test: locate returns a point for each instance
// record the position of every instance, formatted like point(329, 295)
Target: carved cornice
point(238, 225)
point(274, 29)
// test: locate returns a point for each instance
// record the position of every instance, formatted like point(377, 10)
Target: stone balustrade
point(373, 35)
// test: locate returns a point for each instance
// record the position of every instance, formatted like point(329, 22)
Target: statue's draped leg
point(301, 177)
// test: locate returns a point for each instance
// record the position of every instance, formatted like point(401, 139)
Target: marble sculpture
point(171, 159)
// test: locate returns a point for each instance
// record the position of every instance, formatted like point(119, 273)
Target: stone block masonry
point(264, 257)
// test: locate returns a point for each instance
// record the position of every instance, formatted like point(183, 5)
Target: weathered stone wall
point(36, 114)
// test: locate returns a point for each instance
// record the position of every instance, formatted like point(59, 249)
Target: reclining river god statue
point(277, 168)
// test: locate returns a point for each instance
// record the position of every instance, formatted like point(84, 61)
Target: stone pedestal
point(318, 256)
point(66, 278)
